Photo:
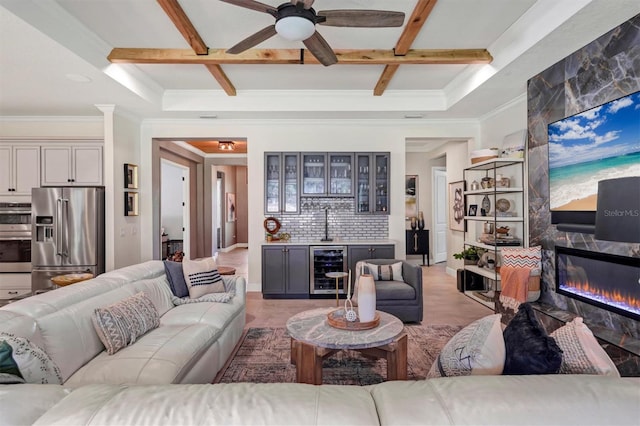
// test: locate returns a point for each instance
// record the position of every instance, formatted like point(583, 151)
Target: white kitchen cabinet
point(19, 169)
point(75, 165)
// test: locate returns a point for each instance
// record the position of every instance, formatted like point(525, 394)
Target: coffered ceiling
point(61, 57)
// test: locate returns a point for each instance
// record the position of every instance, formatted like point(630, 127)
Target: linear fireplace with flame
point(609, 281)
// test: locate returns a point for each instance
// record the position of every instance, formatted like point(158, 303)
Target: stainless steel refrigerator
point(67, 233)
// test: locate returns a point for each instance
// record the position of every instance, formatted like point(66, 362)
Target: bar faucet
point(326, 225)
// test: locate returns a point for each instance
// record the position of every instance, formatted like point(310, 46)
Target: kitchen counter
point(330, 243)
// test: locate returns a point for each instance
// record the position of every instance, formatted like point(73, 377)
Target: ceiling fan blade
point(306, 3)
point(319, 47)
point(361, 18)
point(253, 40)
point(254, 5)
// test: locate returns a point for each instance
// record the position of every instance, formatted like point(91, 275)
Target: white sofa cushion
point(69, 336)
point(218, 315)
point(157, 289)
point(20, 325)
point(24, 404)
point(163, 355)
point(557, 399)
point(221, 404)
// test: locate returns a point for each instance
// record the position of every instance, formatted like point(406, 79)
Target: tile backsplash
point(344, 224)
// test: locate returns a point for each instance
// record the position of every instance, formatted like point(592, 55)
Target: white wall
point(126, 229)
point(457, 155)
point(502, 122)
point(280, 135)
point(65, 128)
point(171, 209)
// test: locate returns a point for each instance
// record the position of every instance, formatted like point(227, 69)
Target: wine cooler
point(327, 259)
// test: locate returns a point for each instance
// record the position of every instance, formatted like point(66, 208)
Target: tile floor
point(443, 304)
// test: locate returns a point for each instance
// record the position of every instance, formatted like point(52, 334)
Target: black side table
point(418, 243)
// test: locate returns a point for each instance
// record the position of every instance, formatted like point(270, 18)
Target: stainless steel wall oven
point(15, 237)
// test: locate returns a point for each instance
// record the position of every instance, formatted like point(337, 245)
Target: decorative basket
point(336, 318)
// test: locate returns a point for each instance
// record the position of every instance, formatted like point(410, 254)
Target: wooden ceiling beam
point(221, 78)
point(419, 16)
point(182, 22)
point(293, 56)
point(385, 78)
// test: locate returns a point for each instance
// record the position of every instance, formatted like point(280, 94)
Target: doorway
point(439, 202)
point(174, 208)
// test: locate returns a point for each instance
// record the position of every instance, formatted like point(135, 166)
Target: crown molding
point(50, 118)
point(503, 107)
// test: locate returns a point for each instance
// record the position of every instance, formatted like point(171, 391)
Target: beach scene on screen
point(600, 143)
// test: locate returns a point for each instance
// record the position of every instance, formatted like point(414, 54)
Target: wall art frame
point(410, 197)
point(457, 206)
point(231, 207)
point(131, 203)
point(130, 176)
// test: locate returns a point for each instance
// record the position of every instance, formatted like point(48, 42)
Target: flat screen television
point(599, 143)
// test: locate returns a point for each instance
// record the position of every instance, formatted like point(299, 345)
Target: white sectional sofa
point(191, 344)
point(471, 400)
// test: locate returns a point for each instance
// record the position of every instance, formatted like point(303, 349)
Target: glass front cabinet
point(314, 174)
point(372, 183)
point(282, 177)
point(341, 174)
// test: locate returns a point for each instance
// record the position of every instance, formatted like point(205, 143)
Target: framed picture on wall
point(456, 206)
point(231, 207)
point(411, 197)
point(130, 176)
point(130, 203)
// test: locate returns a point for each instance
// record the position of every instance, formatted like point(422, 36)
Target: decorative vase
point(414, 223)
point(486, 204)
point(421, 221)
point(366, 298)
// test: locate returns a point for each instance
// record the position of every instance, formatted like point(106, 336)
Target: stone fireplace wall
point(604, 70)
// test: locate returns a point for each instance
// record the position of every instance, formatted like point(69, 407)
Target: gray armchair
point(402, 299)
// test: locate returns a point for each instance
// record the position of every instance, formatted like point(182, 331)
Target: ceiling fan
point(296, 21)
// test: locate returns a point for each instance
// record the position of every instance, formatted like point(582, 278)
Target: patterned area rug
point(264, 356)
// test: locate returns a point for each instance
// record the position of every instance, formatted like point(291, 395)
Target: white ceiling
point(43, 41)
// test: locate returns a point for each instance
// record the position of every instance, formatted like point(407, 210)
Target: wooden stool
point(226, 270)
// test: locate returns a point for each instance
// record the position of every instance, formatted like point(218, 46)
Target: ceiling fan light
point(226, 146)
point(295, 28)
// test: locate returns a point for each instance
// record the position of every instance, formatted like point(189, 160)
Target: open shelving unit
point(514, 216)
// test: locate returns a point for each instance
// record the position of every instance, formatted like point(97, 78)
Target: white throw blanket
point(229, 286)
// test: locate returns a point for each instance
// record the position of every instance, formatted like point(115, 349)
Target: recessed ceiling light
point(78, 78)
point(208, 116)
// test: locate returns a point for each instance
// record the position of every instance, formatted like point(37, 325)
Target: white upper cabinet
point(19, 169)
point(75, 165)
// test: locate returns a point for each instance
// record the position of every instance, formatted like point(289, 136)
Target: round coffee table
point(313, 339)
